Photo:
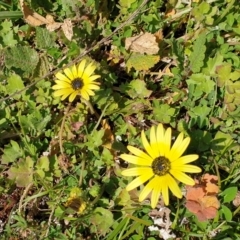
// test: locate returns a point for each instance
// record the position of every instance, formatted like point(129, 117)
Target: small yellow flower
point(75, 200)
point(162, 166)
point(77, 80)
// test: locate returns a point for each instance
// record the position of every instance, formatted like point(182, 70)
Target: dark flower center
point(161, 166)
point(77, 83)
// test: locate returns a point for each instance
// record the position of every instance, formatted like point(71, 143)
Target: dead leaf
point(170, 12)
point(34, 19)
point(236, 201)
point(143, 43)
point(52, 25)
point(204, 206)
point(67, 28)
point(31, 17)
point(108, 136)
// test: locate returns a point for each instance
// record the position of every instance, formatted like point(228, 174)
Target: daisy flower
point(77, 80)
point(161, 165)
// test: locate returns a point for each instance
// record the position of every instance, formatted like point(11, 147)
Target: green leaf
point(15, 83)
point(163, 112)
point(212, 64)
point(42, 166)
point(199, 115)
point(229, 194)
point(102, 219)
point(22, 57)
point(223, 72)
point(22, 173)
point(141, 62)
point(226, 212)
point(44, 38)
point(137, 89)
point(198, 53)
point(11, 152)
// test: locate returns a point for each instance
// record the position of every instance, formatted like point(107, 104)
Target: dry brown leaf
point(143, 43)
point(159, 35)
point(108, 137)
point(31, 17)
point(170, 12)
point(52, 25)
point(67, 29)
point(34, 19)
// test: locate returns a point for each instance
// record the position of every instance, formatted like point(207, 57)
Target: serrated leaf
point(102, 219)
point(212, 64)
point(15, 83)
point(198, 53)
point(141, 62)
point(137, 88)
point(223, 72)
point(22, 57)
point(163, 112)
point(44, 38)
point(11, 152)
point(42, 166)
point(22, 173)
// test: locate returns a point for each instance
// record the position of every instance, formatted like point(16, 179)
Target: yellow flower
point(77, 80)
point(162, 165)
point(75, 200)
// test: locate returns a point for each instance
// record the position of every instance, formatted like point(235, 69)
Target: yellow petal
point(140, 154)
point(172, 184)
point(153, 142)
point(84, 94)
point(93, 86)
point(62, 77)
point(74, 71)
point(187, 168)
point(179, 148)
point(93, 77)
point(135, 160)
point(81, 67)
point(146, 190)
point(88, 70)
point(165, 193)
point(137, 171)
point(182, 177)
point(185, 159)
point(90, 92)
point(64, 91)
point(167, 141)
point(73, 96)
point(138, 181)
point(64, 96)
point(157, 189)
point(69, 74)
point(147, 146)
point(160, 139)
point(62, 84)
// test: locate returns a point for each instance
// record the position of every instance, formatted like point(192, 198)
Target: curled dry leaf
point(143, 43)
point(236, 200)
point(31, 17)
point(67, 29)
point(108, 137)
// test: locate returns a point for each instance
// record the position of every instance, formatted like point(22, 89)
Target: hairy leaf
point(141, 62)
point(22, 173)
point(22, 57)
point(198, 54)
point(102, 219)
